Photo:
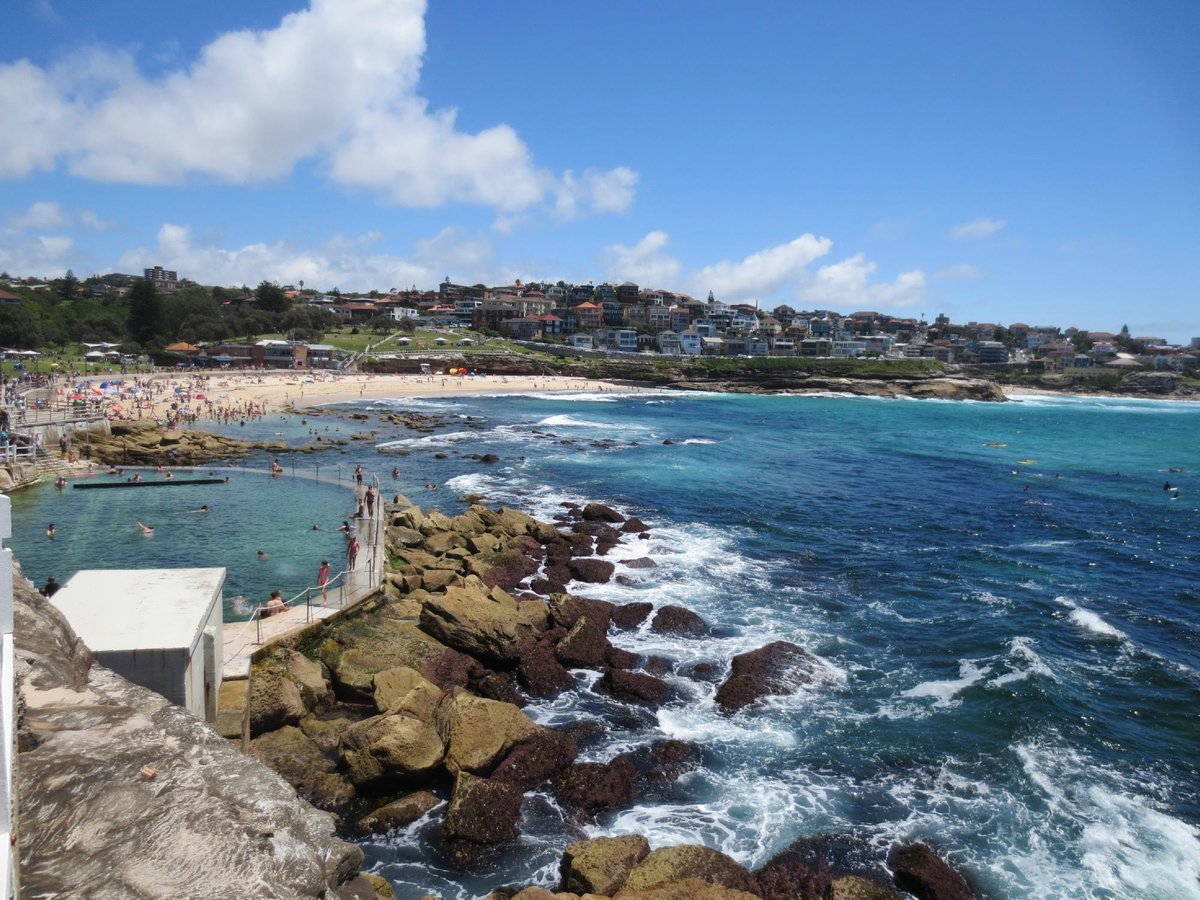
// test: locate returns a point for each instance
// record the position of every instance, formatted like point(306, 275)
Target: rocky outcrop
point(601, 865)
point(671, 865)
point(118, 787)
point(146, 443)
point(777, 668)
point(925, 875)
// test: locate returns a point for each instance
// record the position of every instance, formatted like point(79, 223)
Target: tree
point(145, 318)
point(270, 297)
point(68, 286)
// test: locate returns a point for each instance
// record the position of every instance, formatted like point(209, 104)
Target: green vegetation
point(839, 368)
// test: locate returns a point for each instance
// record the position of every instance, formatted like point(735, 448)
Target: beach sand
point(283, 390)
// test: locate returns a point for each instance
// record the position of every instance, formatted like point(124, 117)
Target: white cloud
point(760, 273)
point(349, 263)
point(643, 263)
point(959, 270)
point(976, 228)
point(43, 215)
point(41, 255)
point(847, 285)
point(336, 83)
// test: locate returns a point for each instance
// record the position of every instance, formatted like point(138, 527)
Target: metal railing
point(9, 879)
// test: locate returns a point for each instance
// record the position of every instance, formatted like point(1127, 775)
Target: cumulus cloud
point(351, 263)
point(976, 228)
point(41, 216)
point(42, 255)
point(763, 272)
point(335, 83)
point(847, 284)
point(643, 263)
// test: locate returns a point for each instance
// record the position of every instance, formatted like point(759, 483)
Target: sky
point(997, 162)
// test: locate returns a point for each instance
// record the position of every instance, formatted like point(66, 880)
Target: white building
point(160, 628)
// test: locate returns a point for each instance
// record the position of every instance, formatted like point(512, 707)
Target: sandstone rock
point(482, 811)
point(631, 615)
point(310, 677)
point(776, 668)
point(291, 753)
point(443, 541)
point(357, 649)
point(567, 609)
point(406, 690)
point(389, 747)
point(677, 620)
point(688, 889)
point(643, 562)
point(537, 759)
point(593, 787)
point(398, 813)
point(593, 571)
point(634, 686)
point(855, 887)
point(274, 700)
point(325, 730)
point(439, 579)
point(483, 625)
point(478, 732)
point(403, 537)
point(668, 865)
point(601, 865)
point(86, 729)
point(383, 887)
point(920, 871)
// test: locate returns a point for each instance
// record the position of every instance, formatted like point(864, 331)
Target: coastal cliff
point(123, 794)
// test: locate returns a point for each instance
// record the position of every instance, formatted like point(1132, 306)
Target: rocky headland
point(409, 709)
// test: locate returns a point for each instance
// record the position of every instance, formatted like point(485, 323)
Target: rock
point(406, 690)
point(668, 865)
point(383, 887)
point(601, 865)
point(497, 686)
point(542, 674)
point(356, 650)
point(643, 562)
point(593, 571)
point(616, 658)
point(274, 700)
point(491, 627)
point(677, 620)
point(776, 668)
point(633, 525)
point(482, 811)
point(598, 512)
point(634, 686)
point(583, 646)
point(478, 732)
point(808, 866)
point(86, 733)
point(665, 760)
point(389, 748)
point(291, 753)
point(631, 615)
point(325, 730)
point(398, 813)
point(593, 787)
point(567, 609)
point(855, 887)
point(400, 536)
point(443, 541)
point(310, 677)
point(537, 759)
point(920, 871)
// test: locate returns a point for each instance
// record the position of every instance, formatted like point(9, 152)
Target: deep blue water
point(1003, 597)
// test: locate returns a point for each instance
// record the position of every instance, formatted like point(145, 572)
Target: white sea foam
point(1024, 663)
point(1090, 621)
point(944, 692)
point(699, 441)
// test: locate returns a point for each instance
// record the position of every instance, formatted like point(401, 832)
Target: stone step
point(232, 721)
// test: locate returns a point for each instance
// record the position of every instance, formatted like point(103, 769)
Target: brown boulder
point(481, 812)
point(274, 700)
point(478, 732)
point(855, 887)
point(631, 615)
point(776, 668)
point(591, 570)
point(583, 646)
point(291, 753)
point(593, 787)
point(601, 865)
point(540, 757)
point(677, 620)
point(542, 674)
point(405, 690)
point(598, 512)
point(398, 813)
point(490, 626)
point(634, 686)
point(920, 871)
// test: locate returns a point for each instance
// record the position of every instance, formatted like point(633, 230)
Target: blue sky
point(1010, 161)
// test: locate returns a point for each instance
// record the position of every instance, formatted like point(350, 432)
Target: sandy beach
point(277, 391)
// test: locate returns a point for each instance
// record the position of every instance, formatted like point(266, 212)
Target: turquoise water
point(1003, 597)
point(97, 529)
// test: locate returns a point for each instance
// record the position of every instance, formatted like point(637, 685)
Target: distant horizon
point(1028, 163)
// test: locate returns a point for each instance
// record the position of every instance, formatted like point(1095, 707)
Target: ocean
point(1003, 599)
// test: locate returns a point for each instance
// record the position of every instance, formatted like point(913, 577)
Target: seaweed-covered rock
point(631, 615)
point(480, 812)
point(634, 686)
point(598, 512)
point(593, 787)
point(678, 620)
point(536, 759)
point(583, 646)
point(541, 673)
point(776, 668)
point(920, 871)
point(291, 753)
point(591, 570)
point(398, 813)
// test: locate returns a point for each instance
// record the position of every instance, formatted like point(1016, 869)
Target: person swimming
point(147, 530)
